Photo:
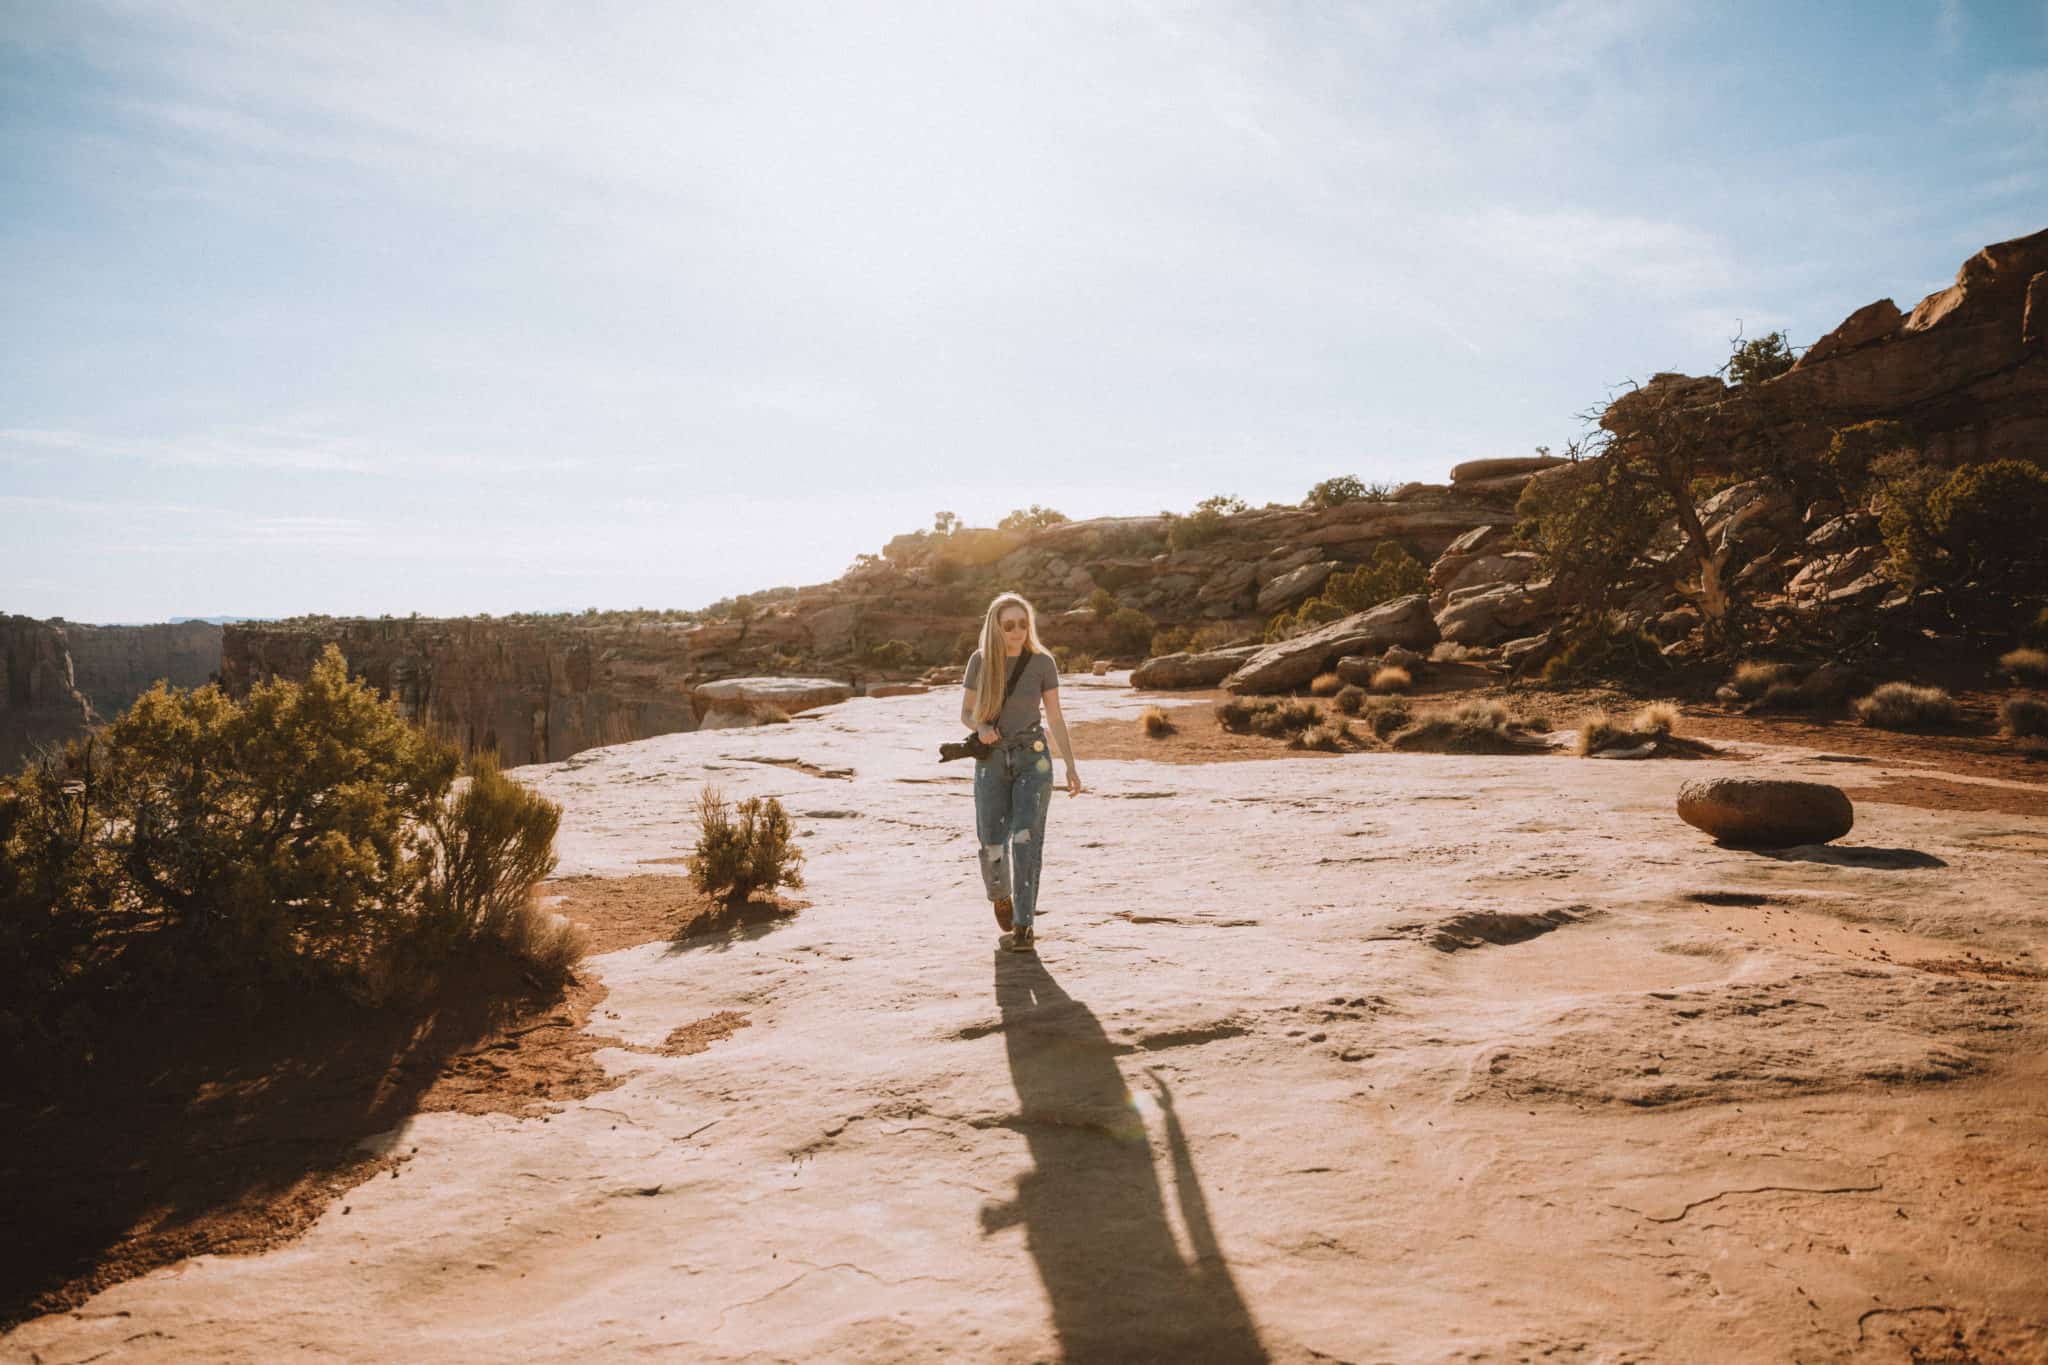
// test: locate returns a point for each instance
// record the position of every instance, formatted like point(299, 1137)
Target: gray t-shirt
point(1020, 707)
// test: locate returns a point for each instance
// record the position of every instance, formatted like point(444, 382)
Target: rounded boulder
point(1766, 813)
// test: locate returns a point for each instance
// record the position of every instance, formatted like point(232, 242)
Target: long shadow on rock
point(207, 1130)
point(1092, 1209)
point(729, 926)
point(1836, 855)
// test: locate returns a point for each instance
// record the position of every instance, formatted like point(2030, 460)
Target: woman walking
point(1013, 785)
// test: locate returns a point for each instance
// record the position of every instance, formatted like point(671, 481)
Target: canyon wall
point(113, 665)
point(533, 692)
point(41, 704)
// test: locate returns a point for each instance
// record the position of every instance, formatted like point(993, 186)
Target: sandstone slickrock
point(1484, 616)
point(1291, 663)
point(1766, 812)
point(790, 695)
point(1240, 1106)
point(1295, 585)
point(1172, 671)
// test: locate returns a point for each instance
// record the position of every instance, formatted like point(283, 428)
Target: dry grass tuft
point(1599, 730)
point(1903, 706)
point(2028, 667)
point(1752, 680)
point(1784, 696)
point(1350, 698)
point(1473, 727)
point(2023, 717)
point(1658, 718)
point(1156, 723)
point(1319, 737)
point(1325, 685)
point(1391, 679)
point(551, 944)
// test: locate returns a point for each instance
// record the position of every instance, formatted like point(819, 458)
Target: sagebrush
point(1904, 706)
point(743, 852)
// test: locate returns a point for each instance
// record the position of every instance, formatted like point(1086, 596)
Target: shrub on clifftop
point(742, 853)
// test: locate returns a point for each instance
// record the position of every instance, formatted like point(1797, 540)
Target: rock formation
point(114, 665)
point(42, 704)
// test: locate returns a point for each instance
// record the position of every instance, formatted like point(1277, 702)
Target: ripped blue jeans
point(1012, 788)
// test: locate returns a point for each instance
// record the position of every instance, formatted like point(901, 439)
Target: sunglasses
point(1008, 626)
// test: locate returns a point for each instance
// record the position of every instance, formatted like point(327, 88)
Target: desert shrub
point(1333, 493)
point(1759, 359)
point(550, 944)
point(1903, 706)
point(965, 643)
point(1202, 525)
point(1392, 572)
point(1274, 717)
point(1130, 630)
point(1987, 520)
point(1320, 737)
point(745, 852)
point(2028, 666)
point(1171, 640)
point(1604, 647)
point(1316, 611)
point(1784, 696)
point(276, 835)
point(1387, 715)
point(1325, 685)
point(1471, 727)
point(1350, 698)
point(892, 654)
point(2023, 717)
point(1032, 518)
point(1298, 715)
point(1752, 680)
point(490, 845)
point(1235, 715)
point(1391, 679)
point(1209, 637)
point(1102, 602)
point(1853, 450)
point(1590, 523)
point(1156, 723)
point(1598, 730)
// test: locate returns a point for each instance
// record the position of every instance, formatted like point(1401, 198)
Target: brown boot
point(1003, 914)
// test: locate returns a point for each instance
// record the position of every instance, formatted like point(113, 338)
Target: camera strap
point(1016, 672)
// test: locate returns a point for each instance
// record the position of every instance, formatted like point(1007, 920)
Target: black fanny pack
point(974, 746)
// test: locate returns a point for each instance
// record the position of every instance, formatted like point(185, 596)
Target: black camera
point(971, 747)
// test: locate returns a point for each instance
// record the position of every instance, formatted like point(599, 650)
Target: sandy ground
point(1376, 1057)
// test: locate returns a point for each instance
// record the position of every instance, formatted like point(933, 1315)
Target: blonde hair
point(995, 667)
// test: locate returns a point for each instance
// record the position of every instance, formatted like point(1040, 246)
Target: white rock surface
point(1409, 1058)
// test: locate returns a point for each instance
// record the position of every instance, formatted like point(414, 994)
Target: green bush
point(1171, 640)
point(1350, 698)
point(744, 853)
point(1854, 450)
point(1759, 359)
point(892, 654)
point(1209, 637)
point(1102, 602)
point(1130, 630)
point(278, 831)
point(1385, 716)
point(1202, 525)
point(1343, 489)
point(203, 847)
point(1988, 520)
point(1391, 573)
point(1032, 518)
point(1604, 648)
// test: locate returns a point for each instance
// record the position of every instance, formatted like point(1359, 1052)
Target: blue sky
point(375, 308)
